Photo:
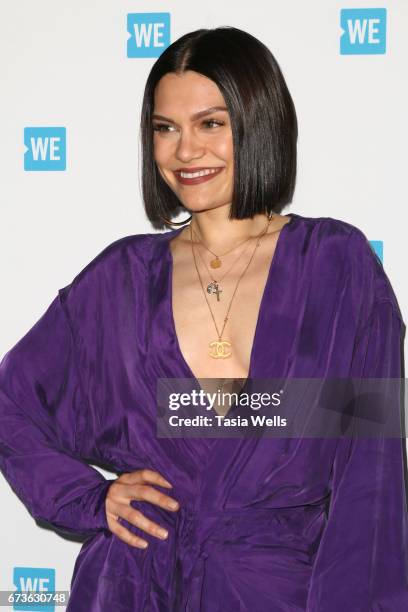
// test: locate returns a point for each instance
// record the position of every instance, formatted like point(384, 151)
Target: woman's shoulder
point(329, 226)
point(108, 269)
point(347, 237)
point(348, 245)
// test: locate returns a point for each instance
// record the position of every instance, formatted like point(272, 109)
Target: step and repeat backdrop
point(72, 81)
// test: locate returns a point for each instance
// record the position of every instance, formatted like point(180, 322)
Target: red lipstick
point(184, 180)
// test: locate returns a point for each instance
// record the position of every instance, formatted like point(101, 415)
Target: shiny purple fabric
point(265, 525)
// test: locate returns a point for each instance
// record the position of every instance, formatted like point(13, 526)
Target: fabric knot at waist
point(217, 535)
point(206, 543)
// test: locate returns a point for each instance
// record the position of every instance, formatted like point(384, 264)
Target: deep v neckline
point(261, 311)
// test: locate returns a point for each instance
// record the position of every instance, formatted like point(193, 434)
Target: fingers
point(127, 536)
point(133, 485)
point(136, 486)
point(149, 494)
point(137, 519)
point(145, 476)
point(140, 520)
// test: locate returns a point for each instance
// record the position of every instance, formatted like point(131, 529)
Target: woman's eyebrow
point(198, 115)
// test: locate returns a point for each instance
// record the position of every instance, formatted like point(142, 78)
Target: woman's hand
point(136, 485)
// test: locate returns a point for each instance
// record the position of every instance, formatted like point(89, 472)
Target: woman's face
point(184, 141)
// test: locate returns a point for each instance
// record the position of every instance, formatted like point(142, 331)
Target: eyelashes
point(162, 127)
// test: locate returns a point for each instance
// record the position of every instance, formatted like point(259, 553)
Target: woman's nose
point(189, 145)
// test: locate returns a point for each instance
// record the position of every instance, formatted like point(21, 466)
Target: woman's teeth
point(200, 173)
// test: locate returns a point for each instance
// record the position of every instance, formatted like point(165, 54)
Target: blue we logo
point(363, 31)
point(34, 579)
point(45, 148)
point(149, 34)
point(378, 248)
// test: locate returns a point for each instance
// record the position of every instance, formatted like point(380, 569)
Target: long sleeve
point(40, 396)
point(362, 561)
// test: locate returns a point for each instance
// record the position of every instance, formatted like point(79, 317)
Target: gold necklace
point(221, 349)
point(217, 263)
point(214, 287)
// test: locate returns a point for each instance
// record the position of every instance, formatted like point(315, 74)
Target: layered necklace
point(214, 287)
point(222, 348)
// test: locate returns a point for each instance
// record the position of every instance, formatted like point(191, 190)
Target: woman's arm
point(362, 561)
point(40, 396)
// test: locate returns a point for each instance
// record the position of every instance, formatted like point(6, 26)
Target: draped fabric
point(318, 525)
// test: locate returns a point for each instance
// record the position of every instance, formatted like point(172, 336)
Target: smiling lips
point(193, 176)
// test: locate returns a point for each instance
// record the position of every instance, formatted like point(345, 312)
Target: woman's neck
point(218, 232)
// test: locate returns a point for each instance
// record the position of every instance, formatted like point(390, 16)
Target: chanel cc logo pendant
point(220, 349)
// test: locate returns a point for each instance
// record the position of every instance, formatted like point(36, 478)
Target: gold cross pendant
point(214, 288)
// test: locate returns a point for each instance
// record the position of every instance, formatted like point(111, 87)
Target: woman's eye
point(163, 127)
point(213, 121)
point(159, 127)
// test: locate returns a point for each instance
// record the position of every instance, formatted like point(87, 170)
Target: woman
point(284, 524)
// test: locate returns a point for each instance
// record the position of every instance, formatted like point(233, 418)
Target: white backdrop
point(66, 65)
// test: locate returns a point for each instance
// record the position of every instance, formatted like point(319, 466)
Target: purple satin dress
point(265, 525)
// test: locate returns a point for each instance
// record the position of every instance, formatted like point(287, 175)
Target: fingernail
point(163, 533)
point(173, 505)
point(168, 483)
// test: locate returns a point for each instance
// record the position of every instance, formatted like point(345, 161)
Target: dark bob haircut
point(262, 114)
